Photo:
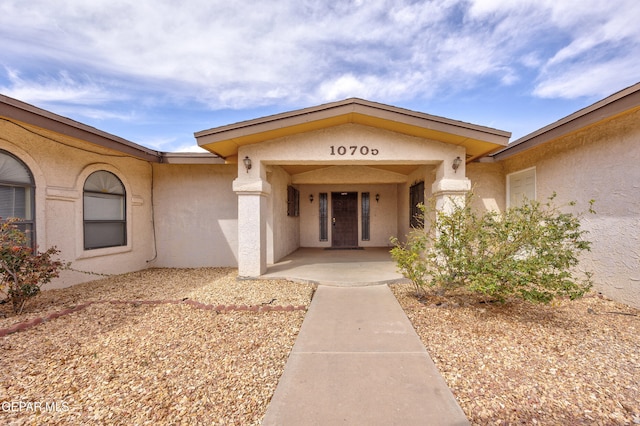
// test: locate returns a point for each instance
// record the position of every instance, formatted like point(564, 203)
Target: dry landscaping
point(210, 349)
point(139, 363)
point(572, 363)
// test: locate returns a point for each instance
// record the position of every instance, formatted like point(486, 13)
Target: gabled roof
point(622, 102)
point(226, 140)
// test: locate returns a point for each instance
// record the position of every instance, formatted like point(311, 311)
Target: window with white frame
point(105, 223)
point(521, 186)
point(17, 189)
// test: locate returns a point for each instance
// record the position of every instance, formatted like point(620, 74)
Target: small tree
point(22, 270)
point(529, 252)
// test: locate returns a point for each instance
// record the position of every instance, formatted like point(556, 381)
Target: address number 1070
point(353, 150)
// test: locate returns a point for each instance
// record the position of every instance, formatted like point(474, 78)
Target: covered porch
point(360, 267)
point(345, 175)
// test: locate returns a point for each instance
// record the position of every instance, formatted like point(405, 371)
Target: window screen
point(104, 211)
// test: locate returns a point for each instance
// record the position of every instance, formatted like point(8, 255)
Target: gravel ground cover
point(135, 363)
point(574, 363)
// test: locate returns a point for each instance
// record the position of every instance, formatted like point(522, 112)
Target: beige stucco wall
point(382, 214)
point(315, 148)
point(488, 186)
point(60, 166)
point(599, 163)
point(196, 215)
point(283, 232)
point(423, 173)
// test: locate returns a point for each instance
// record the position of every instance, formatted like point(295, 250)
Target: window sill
point(107, 251)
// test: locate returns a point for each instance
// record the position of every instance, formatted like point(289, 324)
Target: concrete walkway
point(358, 361)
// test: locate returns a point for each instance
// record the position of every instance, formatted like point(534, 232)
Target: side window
point(416, 197)
point(521, 186)
point(293, 201)
point(17, 193)
point(105, 222)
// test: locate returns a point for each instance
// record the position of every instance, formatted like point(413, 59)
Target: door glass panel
point(365, 216)
point(324, 217)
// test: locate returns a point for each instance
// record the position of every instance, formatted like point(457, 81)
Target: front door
point(344, 219)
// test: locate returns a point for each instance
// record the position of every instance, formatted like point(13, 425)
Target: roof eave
point(620, 102)
point(346, 111)
point(20, 111)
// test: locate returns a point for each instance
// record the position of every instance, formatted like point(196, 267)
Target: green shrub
point(23, 271)
point(528, 252)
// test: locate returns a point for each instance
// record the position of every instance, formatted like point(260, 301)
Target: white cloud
point(164, 143)
point(597, 43)
point(251, 53)
point(592, 79)
point(189, 148)
point(61, 87)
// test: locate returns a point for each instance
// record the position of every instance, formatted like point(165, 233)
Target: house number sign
point(353, 150)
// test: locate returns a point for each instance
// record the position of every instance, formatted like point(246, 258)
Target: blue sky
point(155, 72)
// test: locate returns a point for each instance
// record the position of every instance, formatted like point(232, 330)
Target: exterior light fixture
point(247, 163)
point(456, 164)
point(311, 198)
point(377, 197)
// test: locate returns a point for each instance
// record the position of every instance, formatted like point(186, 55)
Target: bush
point(23, 271)
point(528, 252)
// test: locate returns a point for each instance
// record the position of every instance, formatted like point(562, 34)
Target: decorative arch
point(39, 194)
point(102, 186)
point(104, 204)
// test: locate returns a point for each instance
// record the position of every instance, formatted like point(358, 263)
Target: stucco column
point(252, 226)
point(450, 186)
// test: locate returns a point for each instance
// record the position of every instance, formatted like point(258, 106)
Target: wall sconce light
point(247, 163)
point(377, 197)
point(311, 198)
point(456, 164)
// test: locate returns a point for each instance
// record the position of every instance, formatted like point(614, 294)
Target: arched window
point(17, 193)
point(105, 223)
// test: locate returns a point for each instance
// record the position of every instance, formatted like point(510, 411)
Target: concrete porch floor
point(343, 268)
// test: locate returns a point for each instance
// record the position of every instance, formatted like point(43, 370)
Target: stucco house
point(343, 174)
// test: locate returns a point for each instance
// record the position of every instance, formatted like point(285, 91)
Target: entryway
point(344, 219)
point(345, 268)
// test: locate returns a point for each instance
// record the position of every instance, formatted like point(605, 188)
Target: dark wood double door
point(344, 219)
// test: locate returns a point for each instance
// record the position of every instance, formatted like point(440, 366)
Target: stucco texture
point(196, 215)
point(60, 166)
point(599, 163)
point(344, 158)
point(488, 186)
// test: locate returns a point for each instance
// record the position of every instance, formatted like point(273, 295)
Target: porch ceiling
point(478, 140)
point(404, 169)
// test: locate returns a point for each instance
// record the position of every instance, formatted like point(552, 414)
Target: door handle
point(333, 220)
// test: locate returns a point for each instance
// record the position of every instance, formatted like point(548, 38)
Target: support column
point(252, 227)
point(450, 187)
